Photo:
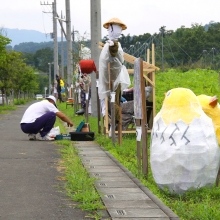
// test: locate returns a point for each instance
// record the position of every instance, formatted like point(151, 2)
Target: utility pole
point(69, 45)
point(55, 45)
point(213, 60)
point(49, 87)
point(204, 53)
point(54, 36)
point(62, 52)
point(95, 26)
point(162, 30)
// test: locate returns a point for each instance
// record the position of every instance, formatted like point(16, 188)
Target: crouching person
point(39, 118)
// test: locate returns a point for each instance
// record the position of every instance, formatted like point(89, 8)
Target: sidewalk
point(122, 194)
point(30, 189)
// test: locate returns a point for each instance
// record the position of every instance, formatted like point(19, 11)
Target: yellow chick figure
point(184, 152)
point(180, 103)
point(211, 108)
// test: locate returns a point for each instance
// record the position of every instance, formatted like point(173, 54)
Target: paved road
point(29, 187)
point(30, 190)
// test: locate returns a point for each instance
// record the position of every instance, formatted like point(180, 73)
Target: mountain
point(22, 36)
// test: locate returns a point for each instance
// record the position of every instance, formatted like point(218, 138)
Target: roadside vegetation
point(202, 204)
point(5, 109)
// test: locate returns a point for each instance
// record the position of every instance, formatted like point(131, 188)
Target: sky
point(140, 16)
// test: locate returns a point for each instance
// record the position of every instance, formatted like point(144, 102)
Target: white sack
point(54, 131)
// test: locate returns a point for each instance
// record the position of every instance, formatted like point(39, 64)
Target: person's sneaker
point(44, 138)
point(32, 137)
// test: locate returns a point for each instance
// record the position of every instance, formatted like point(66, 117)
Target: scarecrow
point(84, 83)
point(112, 53)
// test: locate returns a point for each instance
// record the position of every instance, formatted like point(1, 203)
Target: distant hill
point(23, 36)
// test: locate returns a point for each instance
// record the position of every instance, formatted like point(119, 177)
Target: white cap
point(52, 98)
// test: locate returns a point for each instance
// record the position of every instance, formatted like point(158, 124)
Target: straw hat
point(115, 21)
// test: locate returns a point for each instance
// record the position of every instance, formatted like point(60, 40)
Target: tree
point(41, 59)
point(3, 42)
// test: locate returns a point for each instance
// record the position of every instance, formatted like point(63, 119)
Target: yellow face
point(180, 103)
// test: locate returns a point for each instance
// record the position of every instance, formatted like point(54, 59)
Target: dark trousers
point(43, 124)
point(60, 97)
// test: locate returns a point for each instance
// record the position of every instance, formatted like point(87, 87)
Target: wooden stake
point(218, 177)
point(87, 103)
point(98, 105)
point(143, 123)
point(120, 128)
point(138, 148)
point(112, 117)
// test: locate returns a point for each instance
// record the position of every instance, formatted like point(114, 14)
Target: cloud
point(140, 16)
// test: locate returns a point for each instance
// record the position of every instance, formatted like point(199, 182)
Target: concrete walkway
point(122, 194)
point(30, 189)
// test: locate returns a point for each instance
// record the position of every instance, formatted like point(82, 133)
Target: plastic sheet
point(54, 131)
point(118, 71)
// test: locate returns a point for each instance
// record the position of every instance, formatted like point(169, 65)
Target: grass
point(6, 108)
point(79, 186)
point(202, 204)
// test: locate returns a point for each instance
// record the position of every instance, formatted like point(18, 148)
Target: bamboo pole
point(143, 123)
point(120, 128)
point(106, 117)
point(98, 104)
point(153, 79)
point(87, 102)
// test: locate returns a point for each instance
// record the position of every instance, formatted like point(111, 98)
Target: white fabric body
point(184, 156)
point(118, 71)
point(90, 107)
point(103, 109)
point(55, 89)
point(114, 31)
point(36, 110)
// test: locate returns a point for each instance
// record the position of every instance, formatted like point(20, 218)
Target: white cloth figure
point(103, 107)
point(55, 90)
point(118, 71)
point(114, 32)
point(90, 107)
